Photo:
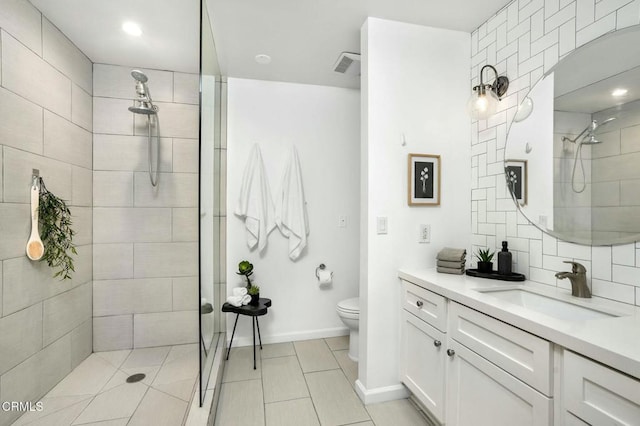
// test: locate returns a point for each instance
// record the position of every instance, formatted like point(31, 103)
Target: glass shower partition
point(212, 211)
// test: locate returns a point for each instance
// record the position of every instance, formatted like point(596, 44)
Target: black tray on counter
point(495, 275)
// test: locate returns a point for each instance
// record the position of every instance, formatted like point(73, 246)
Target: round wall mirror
point(572, 165)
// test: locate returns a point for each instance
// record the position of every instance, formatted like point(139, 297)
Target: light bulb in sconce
point(484, 100)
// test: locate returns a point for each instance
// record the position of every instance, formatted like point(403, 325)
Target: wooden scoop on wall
point(35, 248)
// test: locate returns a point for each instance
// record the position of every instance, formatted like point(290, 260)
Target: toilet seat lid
point(350, 305)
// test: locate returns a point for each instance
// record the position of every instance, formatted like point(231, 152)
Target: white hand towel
point(239, 291)
point(255, 205)
point(245, 299)
point(291, 209)
point(235, 301)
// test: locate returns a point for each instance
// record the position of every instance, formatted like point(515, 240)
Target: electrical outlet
point(425, 234)
point(381, 225)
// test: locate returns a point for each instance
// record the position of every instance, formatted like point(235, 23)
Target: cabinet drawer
point(481, 394)
point(599, 395)
point(524, 355)
point(425, 304)
point(422, 363)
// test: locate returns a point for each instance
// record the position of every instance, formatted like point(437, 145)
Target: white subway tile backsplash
point(112, 261)
point(601, 259)
point(605, 7)
point(60, 52)
point(542, 276)
point(628, 15)
point(165, 260)
point(537, 25)
point(610, 290)
point(560, 17)
point(535, 253)
point(129, 153)
point(167, 328)
point(585, 13)
point(119, 297)
point(574, 250)
point(567, 37)
point(24, 129)
point(624, 255)
point(66, 311)
point(596, 29)
point(51, 89)
point(112, 333)
point(625, 275)
point(66, 141)
point(112, 189)
point(128, 225)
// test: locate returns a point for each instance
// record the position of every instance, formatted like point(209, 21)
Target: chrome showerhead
point(590, 137)
point(143, 103)
point(139, 76)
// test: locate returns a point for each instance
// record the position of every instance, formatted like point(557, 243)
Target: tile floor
point(302, 383)
point(96, 392)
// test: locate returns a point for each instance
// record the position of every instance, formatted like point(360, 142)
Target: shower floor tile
point(96, 391)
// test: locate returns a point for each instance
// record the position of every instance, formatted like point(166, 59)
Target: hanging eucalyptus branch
point(56, 233)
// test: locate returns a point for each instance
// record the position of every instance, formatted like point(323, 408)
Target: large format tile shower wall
point(45, 105)
point(525, 39)
point(145, 239)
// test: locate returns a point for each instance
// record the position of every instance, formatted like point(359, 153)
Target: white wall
point(526, 39)
point(323, 124)
point(414, 82)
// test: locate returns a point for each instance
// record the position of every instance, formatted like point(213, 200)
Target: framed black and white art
point(516, 175)
point(424, 180)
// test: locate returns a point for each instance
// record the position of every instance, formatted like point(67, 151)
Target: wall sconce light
point(483, 102)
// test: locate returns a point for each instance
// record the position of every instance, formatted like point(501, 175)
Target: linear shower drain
point(136, 377)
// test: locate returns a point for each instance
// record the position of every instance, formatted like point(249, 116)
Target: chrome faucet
point(578, 278)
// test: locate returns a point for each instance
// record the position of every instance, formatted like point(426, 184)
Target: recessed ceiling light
point(263, 59)
point(131, 28)
point(619, 92)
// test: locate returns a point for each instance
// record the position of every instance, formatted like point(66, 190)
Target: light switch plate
point(381, 225)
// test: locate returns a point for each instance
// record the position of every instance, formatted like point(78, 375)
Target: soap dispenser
point(504, 260)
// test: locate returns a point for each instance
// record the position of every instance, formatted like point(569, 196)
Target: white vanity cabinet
point(422, 364)
point(599, 395)
point(470, 369)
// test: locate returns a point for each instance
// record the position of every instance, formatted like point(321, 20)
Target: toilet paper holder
point(322, 266)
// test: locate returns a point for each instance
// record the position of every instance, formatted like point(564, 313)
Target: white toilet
point(349, 312)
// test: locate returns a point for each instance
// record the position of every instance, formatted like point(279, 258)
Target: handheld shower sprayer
point(144, 105)
point(586, 137)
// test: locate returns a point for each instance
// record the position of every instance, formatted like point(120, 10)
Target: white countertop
point(612, 341)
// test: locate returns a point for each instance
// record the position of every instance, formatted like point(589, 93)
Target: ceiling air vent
point(348, 63)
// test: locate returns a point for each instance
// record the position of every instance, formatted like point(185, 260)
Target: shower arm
point(564, 138)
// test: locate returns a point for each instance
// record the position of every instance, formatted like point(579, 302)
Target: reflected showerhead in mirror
point(588, 135)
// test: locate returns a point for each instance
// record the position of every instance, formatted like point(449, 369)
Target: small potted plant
point(246, 268)
point(254, 292)
point(485, 264)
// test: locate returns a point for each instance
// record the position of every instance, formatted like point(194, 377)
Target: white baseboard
point(383, 394)
point(289, 337)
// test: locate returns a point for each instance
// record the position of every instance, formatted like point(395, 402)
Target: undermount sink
point(547, 305)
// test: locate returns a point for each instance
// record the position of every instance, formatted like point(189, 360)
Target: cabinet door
point(598, 394)
point(481, 394)
point(422, 363)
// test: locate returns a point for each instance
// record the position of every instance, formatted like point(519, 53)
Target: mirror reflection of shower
point(586, 137)
point(144, 105)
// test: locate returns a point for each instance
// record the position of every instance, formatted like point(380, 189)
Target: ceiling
point(303, 37)
point(170, 31)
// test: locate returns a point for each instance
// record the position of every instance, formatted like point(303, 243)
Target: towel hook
point(322, 266)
